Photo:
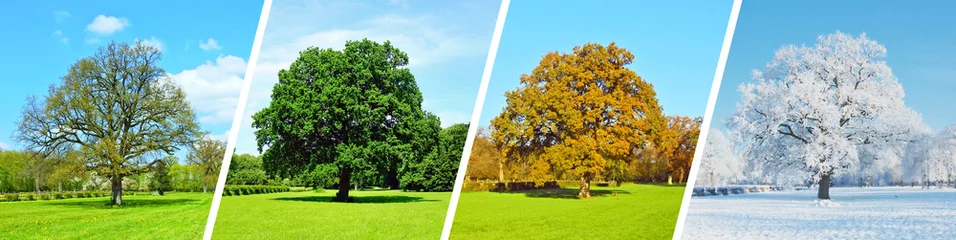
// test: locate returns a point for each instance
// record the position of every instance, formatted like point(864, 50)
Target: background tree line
point(431, 172)
point(20, 172)
point(670, 161)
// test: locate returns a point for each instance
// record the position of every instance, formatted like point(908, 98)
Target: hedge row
point(237, 190)
point(491, 186)
point(727, 190)
point(16, 197)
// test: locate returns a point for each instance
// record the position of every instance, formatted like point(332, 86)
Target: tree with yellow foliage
point(578, 113)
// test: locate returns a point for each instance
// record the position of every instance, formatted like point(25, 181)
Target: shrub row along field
point(494, 186)
point(727, 190)
point(234, 190)
point(15, 197)
point(177, 215)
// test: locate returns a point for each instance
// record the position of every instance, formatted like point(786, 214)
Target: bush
point(46, 196)
point(11, 197)
point(238, 190)
point(30, 197)
point(58, 195)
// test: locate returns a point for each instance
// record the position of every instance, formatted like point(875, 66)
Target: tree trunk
point(117, 188)
point(824, 190)
point(36, 184)
point(392, 179)
point(501, 171)
point(713, 179)
point(345, 174)
point(585, 191)
point(204, 187)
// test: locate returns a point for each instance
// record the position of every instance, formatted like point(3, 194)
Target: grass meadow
point(631, 211)
point(173, 216)
point(375, 214)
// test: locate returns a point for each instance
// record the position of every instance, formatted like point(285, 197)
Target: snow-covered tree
point(914, 157)
point(940, 163)
point(812, 111)
point(719, 165)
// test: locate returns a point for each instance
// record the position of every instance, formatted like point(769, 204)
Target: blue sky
point(919, 37)
point(46, 38)
point(676, 45)
point(446, 41)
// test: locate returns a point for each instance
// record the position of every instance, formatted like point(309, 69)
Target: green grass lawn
point(174, 216)
point(386, 214)
point(631, 211)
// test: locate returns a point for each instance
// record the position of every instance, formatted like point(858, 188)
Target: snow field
point(853, 213)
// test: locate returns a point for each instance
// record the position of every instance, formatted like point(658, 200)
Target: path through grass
point(631, 211)
point(174, 216)
point(386, 214)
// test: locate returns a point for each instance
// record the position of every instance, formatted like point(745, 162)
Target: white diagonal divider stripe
point(475, 117)
point(237, 118)
point(708, 115)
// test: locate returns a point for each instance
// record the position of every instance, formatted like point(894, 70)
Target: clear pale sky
point(676, 44)
point(44, 39)
point(920, 39)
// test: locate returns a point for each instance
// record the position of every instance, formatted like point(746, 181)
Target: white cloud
point(213, 88)
point(63, 39)
point(4, 146)
point(106, 25)
point(61, 16)
point(224, 137)
point(153, 42)
point(210, 44)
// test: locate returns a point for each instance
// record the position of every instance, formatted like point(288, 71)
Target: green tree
point(246, 169)
point(118, 108)
point(161, 181)
point(353, 108)
point(578, 114)
point(437, 170)
point(206, 154)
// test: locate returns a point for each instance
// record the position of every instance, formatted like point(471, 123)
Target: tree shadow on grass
point(359, 200)
point(666, 185)
point(565, 193)
point(132, 203)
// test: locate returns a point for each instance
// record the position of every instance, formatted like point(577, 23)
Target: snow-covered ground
point(854, 213)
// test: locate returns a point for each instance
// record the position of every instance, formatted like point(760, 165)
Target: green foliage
point(437, 170)
point(355, 108)
point(162, 182)
point(11, 197)
point(206, 155)
point(246, 169)
point(323, 176)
